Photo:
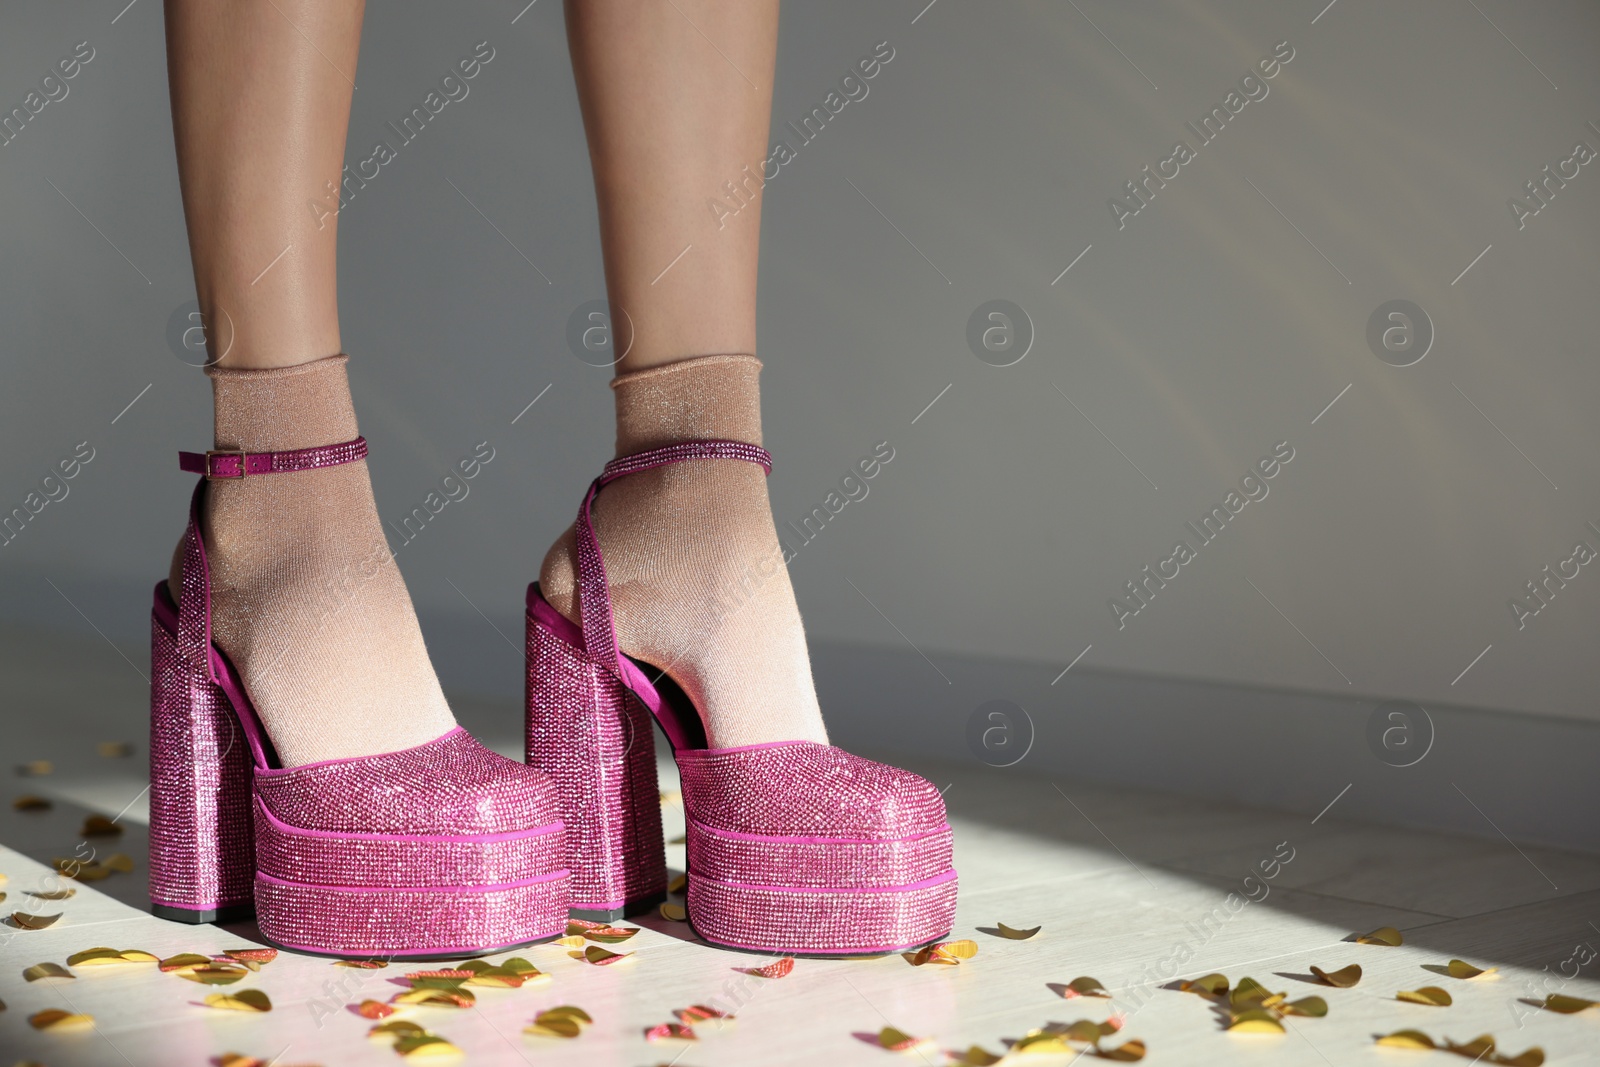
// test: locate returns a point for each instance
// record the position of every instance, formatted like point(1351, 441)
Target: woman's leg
point(676, 101)
point(306, 598)
point(260, 103)
point(677, 97)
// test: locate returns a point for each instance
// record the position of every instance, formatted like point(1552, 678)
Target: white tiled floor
point(1128, 886)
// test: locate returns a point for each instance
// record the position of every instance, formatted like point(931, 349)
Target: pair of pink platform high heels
point(448, 850)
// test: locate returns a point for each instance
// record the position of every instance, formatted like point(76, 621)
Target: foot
point(306, 599)
point(699, 586)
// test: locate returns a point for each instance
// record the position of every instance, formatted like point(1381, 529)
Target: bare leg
point(676, 97)
point(306, 599)
point(669, 120)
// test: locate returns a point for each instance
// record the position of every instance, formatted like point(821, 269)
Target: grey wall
point(1220, 320)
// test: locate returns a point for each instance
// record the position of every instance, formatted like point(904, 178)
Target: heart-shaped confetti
point(1383, 935)
point(55, 1020)
point(46, 970)
point(1343, 978)
point(1013, 934)
point(243, 1000)
point(778, 969)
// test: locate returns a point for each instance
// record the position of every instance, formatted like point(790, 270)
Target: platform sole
point(418, 923)
point(806, 921)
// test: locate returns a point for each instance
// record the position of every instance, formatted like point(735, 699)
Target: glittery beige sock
point(698, 584)
point(306, 599)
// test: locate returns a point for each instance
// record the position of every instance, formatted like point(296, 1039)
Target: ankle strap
point(594, 594)
point(684, 450)
point(237, 463)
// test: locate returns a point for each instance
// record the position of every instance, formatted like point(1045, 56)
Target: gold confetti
point(949, 953)
point(46, 970)
point(100, 826)
point(442, 979)
point(57, 1020)
point(1314, 1007)
point(676, 913)
point(601, 932)
point(1249, 993)
point(81, 870)
point(364, 965)
point(1464, 970)
point(777, 969)
point(564, 1022)
point(1211, 985)
point(704, 1015)
point(212, 973)
point(1477, 1048)
point(243, 1000)
point(115, 749)
point(29, 802)
point(518, 965)
point(976, 1057)
point(95, 957)
point(251, 958)
point(396, 1029)
point(236, 1059)
point(437, 998)
point(1086, 1030)
point(900, 1041)
point(670, 1032)
point(1042, 1041)
point(1415, 1039)
point(54, 894)
point(1343, 978)
point(35, 768)
point(679, 840)
point(1383, 935)
point(1084, 986)
point(1531, 1057)
point(117, 861)
point(600, 957)
point(499, 978)
point(1255, 1021)
point(23, 921)
point(569, 942)
point(679, 883)
point(184, 961)
point(1012, 934)
point(1431, 995)
point(374, 1009)
point(1128, 1052)
point(426, 1046)
point(1566, 1005)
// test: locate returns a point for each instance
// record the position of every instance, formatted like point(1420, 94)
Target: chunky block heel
point(793, 846)
point(201, 862)
point(441, 850)
point(596, 740)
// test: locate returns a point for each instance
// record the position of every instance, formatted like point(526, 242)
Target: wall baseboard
point(1529, 777)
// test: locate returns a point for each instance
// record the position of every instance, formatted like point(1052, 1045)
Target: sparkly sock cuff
point(703, 397)
point(278, 408)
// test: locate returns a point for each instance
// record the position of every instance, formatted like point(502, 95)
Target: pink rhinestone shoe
point(794, 846)
point(445, 849)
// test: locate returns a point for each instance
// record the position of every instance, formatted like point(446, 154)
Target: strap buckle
point(211, 454)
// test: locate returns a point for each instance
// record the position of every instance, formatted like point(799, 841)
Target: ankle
point(282, 408)
point(716, 397)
